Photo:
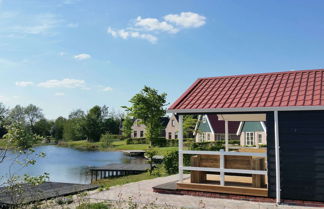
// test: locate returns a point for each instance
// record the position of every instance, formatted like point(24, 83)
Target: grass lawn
point(116, 146)
point(107, 183)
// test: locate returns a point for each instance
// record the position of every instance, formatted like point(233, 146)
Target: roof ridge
point(259, 74)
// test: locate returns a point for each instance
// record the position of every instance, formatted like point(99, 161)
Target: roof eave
point(252, 109)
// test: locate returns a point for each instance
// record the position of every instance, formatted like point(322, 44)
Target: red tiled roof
point(219, 125)
point(280, 89)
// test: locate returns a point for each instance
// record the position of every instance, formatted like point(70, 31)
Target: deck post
point(221, 166)
point(180, 135)
point(277, 157)
point(226, 135)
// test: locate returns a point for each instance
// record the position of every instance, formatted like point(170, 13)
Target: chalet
point(291, 104)
point(172, 128)
point(138, 128)
point(252, 133)
point(210, 128)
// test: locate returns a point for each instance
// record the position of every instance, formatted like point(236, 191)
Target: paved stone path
point(142, 193)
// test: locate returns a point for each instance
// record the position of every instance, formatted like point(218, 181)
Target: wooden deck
point(115, 170)
point(233, 185)
point(40, 192)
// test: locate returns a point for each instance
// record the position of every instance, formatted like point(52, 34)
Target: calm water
point(65, 164)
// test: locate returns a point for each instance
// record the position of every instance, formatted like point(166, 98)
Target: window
point(249, 138)
point(170, 135)
point(208, 137)
point(173, 123)
point(260, 138)
point(135, 134)
point(176, 135)
point(142, 134)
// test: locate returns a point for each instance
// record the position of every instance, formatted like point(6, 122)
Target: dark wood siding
point(271, 155)
point(301, 155)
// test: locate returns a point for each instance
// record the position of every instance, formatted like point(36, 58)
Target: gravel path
point(142, 193)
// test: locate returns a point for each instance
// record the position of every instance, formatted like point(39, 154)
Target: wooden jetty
point(116, 170)
point(31, 193)
point(134, 152)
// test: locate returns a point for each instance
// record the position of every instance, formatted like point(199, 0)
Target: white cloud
point(153, 24)
point(61, 54)
point(82, 56)
point(72, 25)
point(107, 89)
point(171, 23)
point(38, 24)
point(59, 94)
point(65, 83)
point(186, 19)
point(125, 34)
point(24, 83)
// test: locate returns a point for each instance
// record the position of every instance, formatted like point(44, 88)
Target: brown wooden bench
point(230, 162)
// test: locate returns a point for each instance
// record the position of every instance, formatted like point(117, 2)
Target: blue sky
point(67, 54)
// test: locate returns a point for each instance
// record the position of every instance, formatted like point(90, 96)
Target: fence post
point(221, 166)
point(180, 136)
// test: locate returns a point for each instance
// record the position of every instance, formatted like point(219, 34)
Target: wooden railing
point(228, 162)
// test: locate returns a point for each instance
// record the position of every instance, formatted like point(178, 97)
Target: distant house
point(139, 129)
point(252, 133)
point(172, 128)
point(209, 128)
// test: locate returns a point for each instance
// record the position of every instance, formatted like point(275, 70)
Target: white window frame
point(260, 138)
point(249, 138)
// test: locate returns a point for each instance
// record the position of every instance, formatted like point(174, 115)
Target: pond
point(64, 164)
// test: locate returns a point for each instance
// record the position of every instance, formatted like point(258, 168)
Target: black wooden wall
point(302, 155)
point(271, 155)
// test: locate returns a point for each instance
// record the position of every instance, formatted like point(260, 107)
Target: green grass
point(107, 183)
point(116, 146)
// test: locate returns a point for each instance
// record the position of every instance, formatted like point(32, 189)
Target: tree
point(17, 114)
point(148, 105)
point(189, 123)
point(149, 154)
point(43, 127)
point(73, 127)
point(93, 124)
point(32, 115)
point(127, 126)
point(58, 128)
point(3, 116)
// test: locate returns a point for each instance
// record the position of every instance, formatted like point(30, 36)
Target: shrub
point(171, 162)
point(159, 142)
point(136, 141)
point(99, 205)
point(106, 140)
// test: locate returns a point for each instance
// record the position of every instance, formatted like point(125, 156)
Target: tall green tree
point(43, 127)
point(127, 126)
point(58, 128)
point(32, 115)
point(17, 115)
point(148, 105)
point(93, 123)
point(73, 127)
point(3, 119)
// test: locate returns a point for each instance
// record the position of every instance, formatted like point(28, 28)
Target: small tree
point(127, 126)
point(149, 154)
point(32, 115)
point(93, 124)
point(148, 105)
point(189, 123)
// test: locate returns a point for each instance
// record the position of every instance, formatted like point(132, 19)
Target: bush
point(171, 162)
point(136, 141)
point(159, 142)
point(207, 146)
point(106, 140)
point(99, 205)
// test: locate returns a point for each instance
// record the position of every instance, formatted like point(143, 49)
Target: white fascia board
point(211, 128)
point(254, 109)
point(196, 127)
point(239, 128)
point(263, 126)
